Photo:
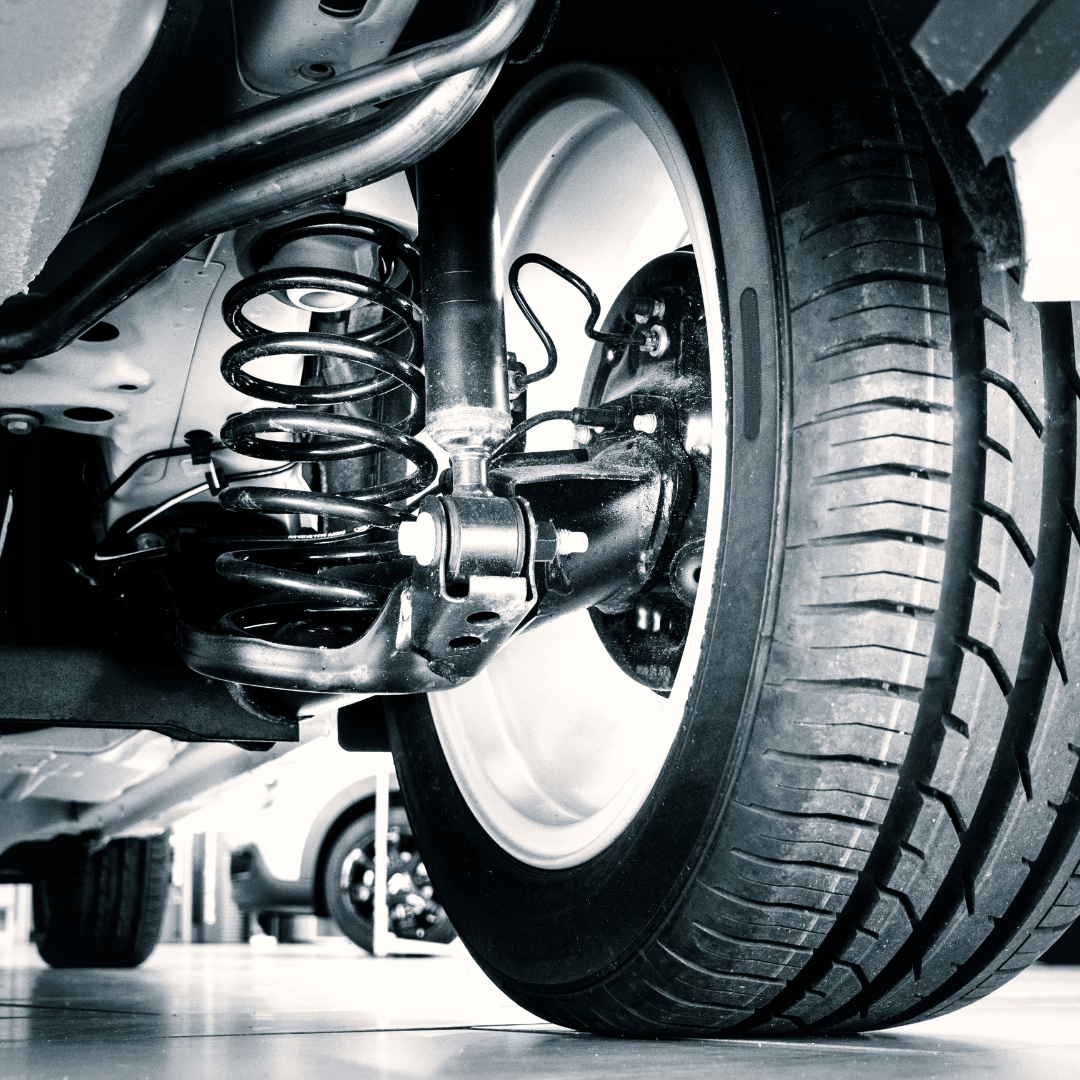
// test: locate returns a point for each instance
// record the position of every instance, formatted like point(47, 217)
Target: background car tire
point(870, 814)
point(102, 908)
point(348, 890)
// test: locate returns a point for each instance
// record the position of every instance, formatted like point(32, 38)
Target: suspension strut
point(477, 583)
point(468, 404)
point(475, 551)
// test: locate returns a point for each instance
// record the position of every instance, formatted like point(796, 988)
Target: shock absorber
point(387, 354)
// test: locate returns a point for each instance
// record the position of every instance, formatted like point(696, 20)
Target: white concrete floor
point(202, 1012)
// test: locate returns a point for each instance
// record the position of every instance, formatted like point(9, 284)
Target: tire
point(101, 909)
point(867, 813)
point(414, 911)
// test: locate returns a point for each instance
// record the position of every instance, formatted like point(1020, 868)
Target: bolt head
point(148, 541)
point(546, 544)
point(656, 341)
point(20, 423)
point(646, 423)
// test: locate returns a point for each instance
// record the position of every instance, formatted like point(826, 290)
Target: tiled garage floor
point(326, 1011)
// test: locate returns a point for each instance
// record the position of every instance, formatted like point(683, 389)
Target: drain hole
point(466, 642)
point(85, 413)
point(342, 9)
point(316, 72)
point(483, 617)
point(102, 331)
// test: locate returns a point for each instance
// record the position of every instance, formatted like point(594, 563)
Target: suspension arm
point(471, 589)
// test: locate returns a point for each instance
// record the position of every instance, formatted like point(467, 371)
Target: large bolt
point(419, 539)
point(571, 542)
point(551, 542)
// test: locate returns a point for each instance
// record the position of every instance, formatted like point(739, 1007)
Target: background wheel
point(349, 880)
point(856, 806)
point(103, 909)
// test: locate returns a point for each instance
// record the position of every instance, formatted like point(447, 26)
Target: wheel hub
point(668, 358)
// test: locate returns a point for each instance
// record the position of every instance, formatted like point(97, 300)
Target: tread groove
point(871, 535)
point(846, 759)
point(874, 687)
point(969, 889)
point(992, 444)
point(954, 723)
point(1054, 642)
point(886, 607)
point(949, 803)
point(884, 208)
point(871, 472)
point(1023, 764)
point(887, 307)
point(1071, 517)
point(870, 340)
point(857, 971)
point(769, 811)
point(870, 278)
point(885, 404)
point(990, 658)
point(891, 371)
point(985, 578)
point(764, 905)
point(905, 903)
point(741, 975)
point(721, 936)
point(1022, 403)
point(851, 150)
point(763, 860)
point(994, 317)
point(1072, 377)
point(1009, 522)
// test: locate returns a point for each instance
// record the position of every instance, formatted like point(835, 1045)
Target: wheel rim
point(553, 747)
point(412, 909)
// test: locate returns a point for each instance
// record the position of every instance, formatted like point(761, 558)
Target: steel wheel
point(598, 180)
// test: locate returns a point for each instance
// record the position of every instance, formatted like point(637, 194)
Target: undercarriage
point(326, 594)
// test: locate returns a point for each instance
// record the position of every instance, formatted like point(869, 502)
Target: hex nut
point(20, 423)
point(547, 542)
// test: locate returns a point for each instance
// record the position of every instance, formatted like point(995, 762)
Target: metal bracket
point(459, 626)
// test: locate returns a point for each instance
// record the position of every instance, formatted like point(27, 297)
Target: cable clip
point(202, 443)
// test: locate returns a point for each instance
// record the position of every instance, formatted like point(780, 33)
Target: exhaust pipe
point(398, 136)
point(333, 100)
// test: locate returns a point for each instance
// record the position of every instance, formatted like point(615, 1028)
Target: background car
point(306, 846)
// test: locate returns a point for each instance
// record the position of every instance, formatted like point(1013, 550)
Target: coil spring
point(330, 436)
